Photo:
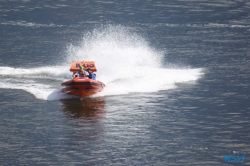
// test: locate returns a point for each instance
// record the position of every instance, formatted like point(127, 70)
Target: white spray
point(125, 62)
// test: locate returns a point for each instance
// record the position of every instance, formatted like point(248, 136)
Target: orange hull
point(82, 87)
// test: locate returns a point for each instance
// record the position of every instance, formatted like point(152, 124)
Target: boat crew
point(82, 72)
point(91, 74)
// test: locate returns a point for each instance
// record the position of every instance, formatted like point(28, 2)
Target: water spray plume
point(126, 62)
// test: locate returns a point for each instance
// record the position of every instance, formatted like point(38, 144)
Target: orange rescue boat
point(82, 86)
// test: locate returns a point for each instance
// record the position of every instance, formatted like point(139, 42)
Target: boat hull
point(82, 87)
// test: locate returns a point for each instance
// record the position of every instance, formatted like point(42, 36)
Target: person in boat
point(91, 74)
point(82, 72)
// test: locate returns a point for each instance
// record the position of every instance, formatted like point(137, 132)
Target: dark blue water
point(177, 76)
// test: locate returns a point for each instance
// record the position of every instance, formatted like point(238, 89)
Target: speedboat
point(80, 85)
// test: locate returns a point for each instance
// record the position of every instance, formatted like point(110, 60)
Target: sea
point(177, 76)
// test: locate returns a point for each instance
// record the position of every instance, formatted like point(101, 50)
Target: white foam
point(40, 91)
point(46, 71)
point(27, 80)
point(29, 24)
point(210, 25)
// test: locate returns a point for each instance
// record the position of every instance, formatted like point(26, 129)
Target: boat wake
point(43, 82)
point(125, 61)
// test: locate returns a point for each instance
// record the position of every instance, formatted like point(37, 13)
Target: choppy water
point(177, 76)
